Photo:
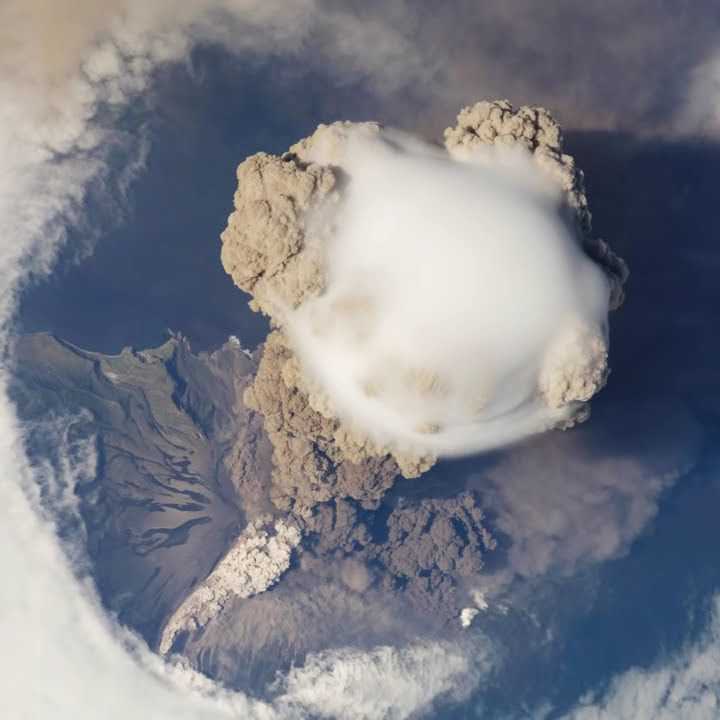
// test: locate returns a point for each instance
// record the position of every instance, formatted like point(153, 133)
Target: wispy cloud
point(685, 686)
point(385, 682)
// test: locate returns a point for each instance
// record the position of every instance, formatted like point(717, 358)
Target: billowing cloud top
point(431, 302)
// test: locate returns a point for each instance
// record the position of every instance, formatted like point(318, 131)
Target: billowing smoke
point(577, 499)
point(257, 560)
point(431, 302)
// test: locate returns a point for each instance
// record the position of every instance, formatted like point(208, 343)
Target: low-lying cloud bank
point(684, 687)
point(383, 683)
point(60, 102)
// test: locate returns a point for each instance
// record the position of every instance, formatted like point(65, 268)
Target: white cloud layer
point(383, 683)
point(685, 687)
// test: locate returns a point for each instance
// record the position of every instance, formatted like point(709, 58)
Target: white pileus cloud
point(460, 312)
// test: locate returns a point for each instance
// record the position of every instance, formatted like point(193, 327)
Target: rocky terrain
point(172, 489)
point(182, 535)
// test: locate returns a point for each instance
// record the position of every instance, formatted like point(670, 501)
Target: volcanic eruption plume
point(428, 302)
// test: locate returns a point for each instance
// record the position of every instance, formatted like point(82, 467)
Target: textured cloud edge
point(685, 686)
point(428, 302)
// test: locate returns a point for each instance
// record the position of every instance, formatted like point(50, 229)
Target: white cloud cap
point(460, 312)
